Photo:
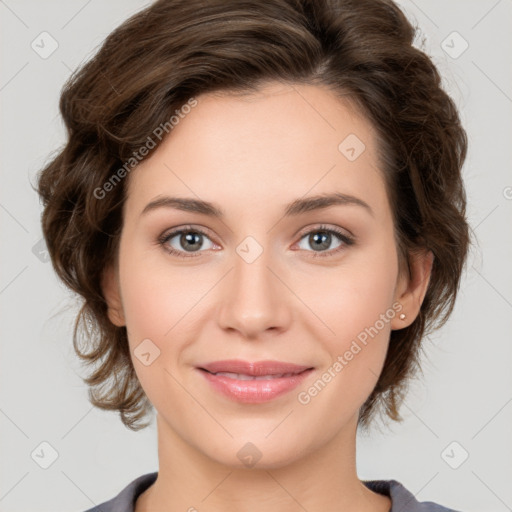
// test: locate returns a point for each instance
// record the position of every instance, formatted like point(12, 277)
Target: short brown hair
point(175, 50)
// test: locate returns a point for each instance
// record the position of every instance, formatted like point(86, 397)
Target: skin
point(252, 155)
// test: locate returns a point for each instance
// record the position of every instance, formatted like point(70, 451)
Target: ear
point(412, 287)
point(112, 295)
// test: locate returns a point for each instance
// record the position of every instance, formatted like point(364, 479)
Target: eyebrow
point(297, 207)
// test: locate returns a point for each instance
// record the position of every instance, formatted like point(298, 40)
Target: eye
point(321, 238)
point(188, 239)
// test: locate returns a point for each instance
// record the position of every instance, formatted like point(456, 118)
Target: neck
point(324, 479)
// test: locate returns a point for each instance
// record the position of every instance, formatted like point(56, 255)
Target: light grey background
point(466, 392)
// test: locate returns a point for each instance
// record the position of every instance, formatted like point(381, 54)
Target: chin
point(258, 453)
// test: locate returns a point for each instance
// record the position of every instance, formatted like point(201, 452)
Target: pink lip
point(254, 391)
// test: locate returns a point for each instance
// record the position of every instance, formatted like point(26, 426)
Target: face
point(314, 287)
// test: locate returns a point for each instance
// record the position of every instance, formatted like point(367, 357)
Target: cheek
point(357, 308)
point(156, 295)
point(162, 303)
point(354, 295)
point(155, 308)
point(356, 305)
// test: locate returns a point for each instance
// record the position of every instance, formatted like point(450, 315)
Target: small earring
point(402, 316)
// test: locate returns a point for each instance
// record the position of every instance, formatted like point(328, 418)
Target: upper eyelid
point(325, 227)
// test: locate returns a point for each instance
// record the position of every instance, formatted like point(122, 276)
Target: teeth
point(241, 376)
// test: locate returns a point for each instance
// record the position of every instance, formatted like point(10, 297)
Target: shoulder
point(125, 500)
point(403, 499)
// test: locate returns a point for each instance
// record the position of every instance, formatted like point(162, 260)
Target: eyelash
point(346, 239)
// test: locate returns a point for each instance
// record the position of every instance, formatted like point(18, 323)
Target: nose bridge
point(254, 300)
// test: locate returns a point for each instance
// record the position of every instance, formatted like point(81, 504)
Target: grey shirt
point(401, 499)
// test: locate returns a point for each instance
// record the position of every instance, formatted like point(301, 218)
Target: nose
point(255, 298)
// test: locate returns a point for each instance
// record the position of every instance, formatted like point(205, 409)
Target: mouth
point(254, 382)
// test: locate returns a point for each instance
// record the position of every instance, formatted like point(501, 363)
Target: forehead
point(253, 150)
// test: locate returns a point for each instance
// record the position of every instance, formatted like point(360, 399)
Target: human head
point(158, 60)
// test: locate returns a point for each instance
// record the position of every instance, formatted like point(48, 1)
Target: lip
point(254, 391)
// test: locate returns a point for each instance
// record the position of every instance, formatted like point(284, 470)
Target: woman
point(261, 204)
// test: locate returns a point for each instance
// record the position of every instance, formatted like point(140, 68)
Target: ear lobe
point(112, 295)
point(412, 289)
